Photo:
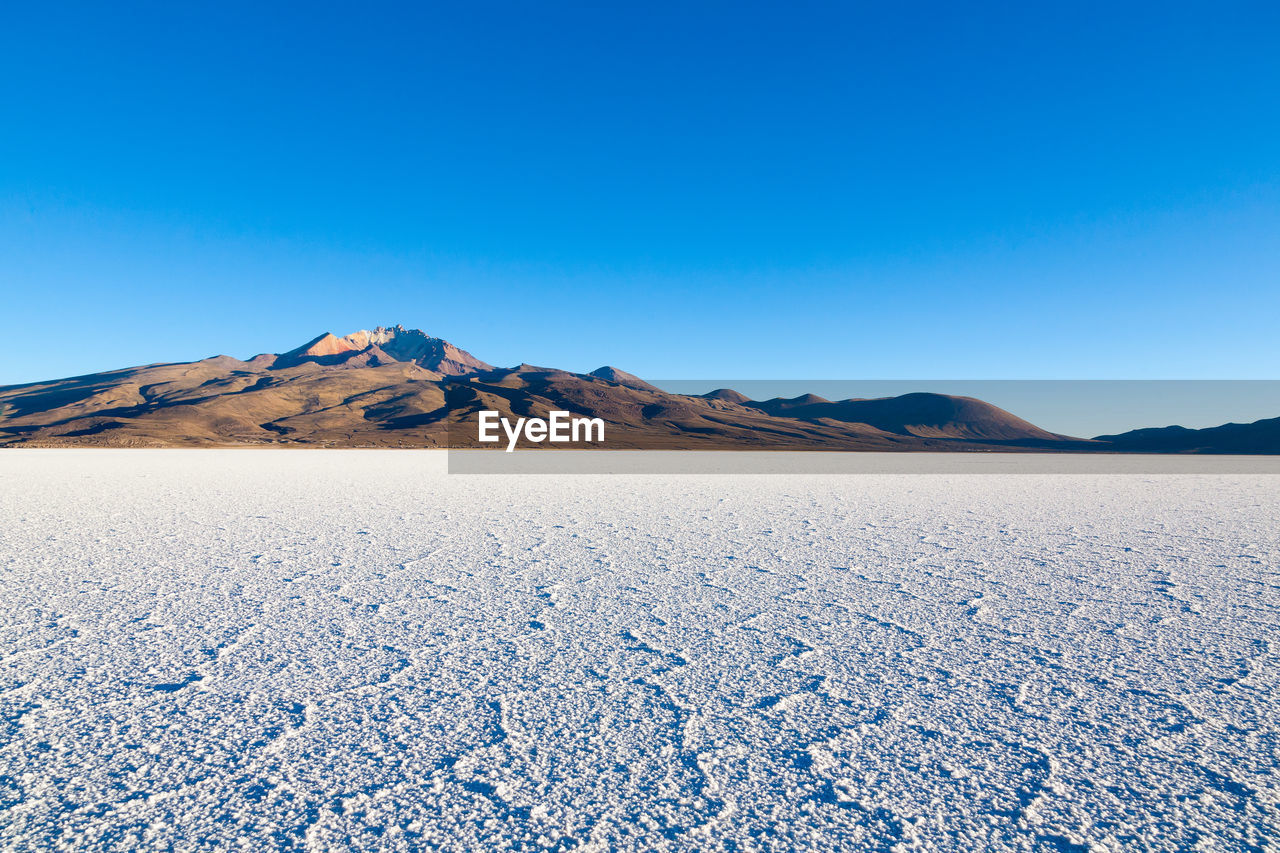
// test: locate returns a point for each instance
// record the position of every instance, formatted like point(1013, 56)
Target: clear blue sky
point(887, 190)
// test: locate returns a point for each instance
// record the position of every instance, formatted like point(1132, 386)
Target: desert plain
point(342, 650)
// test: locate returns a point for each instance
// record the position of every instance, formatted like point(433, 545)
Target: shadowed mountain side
point(921, 415)
point(645, 417)
point(1258, 437)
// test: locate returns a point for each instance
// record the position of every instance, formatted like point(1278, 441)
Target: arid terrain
point(400, 387)
point(357, 651)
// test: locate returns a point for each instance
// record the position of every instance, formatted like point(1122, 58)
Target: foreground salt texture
point(351, 650)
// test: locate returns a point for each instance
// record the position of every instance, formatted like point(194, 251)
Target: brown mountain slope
point(331, 391)
point(394, 387)
point(212, 403)
point(620, 377)
point(727, 395)
point(919, 414)
point(639, 415)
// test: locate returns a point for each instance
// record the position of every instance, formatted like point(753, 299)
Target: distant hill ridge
point(399, 387)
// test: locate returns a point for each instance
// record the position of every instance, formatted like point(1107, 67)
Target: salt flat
point(352, 650)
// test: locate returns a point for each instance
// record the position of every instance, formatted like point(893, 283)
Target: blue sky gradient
point(776, 191)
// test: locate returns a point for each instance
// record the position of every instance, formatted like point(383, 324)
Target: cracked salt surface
point(351, 650)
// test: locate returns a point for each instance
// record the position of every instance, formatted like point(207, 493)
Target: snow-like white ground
point(352, 650)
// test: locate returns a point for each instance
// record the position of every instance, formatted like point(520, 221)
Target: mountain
point(398, 387)
point(642, 416)
point(728, 395)
point(621, 377)
point(1258, 437)
point(377, 388)
point(384, 346)
point(921, 415)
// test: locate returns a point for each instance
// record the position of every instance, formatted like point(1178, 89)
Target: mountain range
point(398, 387)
